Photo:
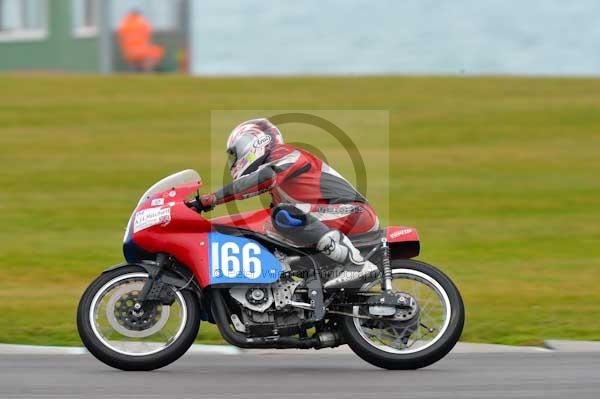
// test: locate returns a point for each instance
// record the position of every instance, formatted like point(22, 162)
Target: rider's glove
point(202, 203)
point(207, 202)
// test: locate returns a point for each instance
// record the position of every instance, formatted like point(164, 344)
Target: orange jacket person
point(135, 41)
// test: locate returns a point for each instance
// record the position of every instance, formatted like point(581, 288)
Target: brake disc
point(132, 323)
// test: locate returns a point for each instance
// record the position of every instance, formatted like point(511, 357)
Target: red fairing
point(258, 221)
point(184, 236)
point(401, 234)
point(171, 227)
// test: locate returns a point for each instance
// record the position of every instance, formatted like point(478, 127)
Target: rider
point(313, 205)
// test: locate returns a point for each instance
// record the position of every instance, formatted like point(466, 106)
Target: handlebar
point(194, 204)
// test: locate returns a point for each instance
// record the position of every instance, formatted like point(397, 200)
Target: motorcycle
point(261, 290)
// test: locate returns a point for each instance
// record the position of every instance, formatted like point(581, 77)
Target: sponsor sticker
point(261, 142)
point(158, 202)
point(400, 233)
point(151, 217)
point(341, 210)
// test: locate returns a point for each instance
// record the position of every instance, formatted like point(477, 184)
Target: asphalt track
point(543, 374)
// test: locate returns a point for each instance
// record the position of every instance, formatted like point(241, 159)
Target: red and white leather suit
point(296, 178)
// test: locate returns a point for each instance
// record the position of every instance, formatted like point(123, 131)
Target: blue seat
point(284, 220)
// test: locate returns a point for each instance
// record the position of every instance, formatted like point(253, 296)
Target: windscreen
point(177, 179)
point(188, 176)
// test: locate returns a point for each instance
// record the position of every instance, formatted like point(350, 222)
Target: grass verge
point(500, 175)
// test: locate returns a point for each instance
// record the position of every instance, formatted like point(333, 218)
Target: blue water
point(527, 37)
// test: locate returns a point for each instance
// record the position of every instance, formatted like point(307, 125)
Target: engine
point(268, 310)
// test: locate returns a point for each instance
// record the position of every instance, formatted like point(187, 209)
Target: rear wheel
point(124, 337)
point(406, 340)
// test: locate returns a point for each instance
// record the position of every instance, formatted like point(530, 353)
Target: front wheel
point(409, 339)
point(124, 337)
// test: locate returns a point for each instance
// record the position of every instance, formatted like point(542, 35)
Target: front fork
point(153, 289)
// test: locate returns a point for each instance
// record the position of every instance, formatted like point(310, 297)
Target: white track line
point(8, 349)
point(461, 347)
point(573, 346)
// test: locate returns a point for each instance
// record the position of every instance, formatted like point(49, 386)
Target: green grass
point(500, 175)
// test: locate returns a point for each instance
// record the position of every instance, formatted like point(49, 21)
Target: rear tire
point(128, 362)
point(429, 355)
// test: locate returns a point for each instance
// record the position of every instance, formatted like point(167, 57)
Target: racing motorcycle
point(261, 290)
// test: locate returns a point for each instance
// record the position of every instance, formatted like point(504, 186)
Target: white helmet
point(250, 144)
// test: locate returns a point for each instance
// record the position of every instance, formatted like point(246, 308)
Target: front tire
point(395, 357)
point(119, 356)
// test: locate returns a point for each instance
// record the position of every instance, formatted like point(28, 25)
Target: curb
point(461, 347)
point(466, 347)
point(559, 345)
point(550, 346)
point(9, 349)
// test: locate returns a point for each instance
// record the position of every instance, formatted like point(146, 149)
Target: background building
point(312, 37)
point(79, 35)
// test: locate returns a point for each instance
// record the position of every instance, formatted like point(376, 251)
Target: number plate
point(240, 260)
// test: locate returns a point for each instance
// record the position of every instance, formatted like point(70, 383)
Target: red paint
point(401, 234)
point(185, 237)
point(258, 221)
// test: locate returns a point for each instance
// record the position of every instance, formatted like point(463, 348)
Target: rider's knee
point(288, 216)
